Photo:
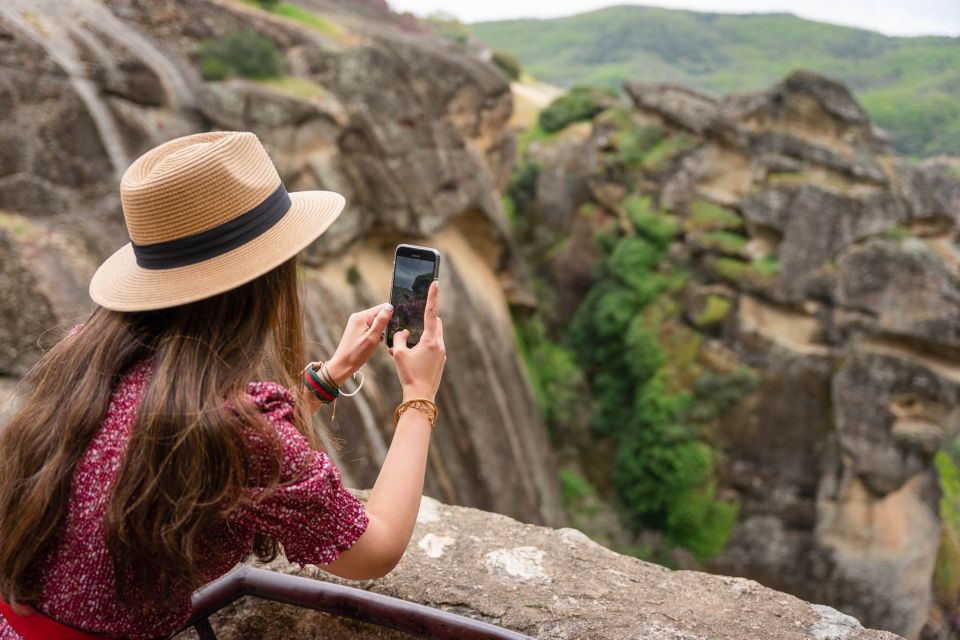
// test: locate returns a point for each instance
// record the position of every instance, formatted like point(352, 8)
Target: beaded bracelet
point(426, 406)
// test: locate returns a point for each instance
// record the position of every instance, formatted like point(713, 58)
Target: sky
point(892, 17)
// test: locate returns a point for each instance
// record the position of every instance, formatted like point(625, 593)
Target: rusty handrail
point(349, 602)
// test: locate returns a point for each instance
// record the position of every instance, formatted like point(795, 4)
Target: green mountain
point(910, 86)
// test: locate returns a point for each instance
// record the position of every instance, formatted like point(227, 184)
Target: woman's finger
point(431, 311)
point(400, 341)
point(368, 315)
point(380, 319)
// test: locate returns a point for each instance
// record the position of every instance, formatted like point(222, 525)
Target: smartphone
point(414, 268)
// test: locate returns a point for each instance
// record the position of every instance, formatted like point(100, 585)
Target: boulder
point(815, 225)
point(832, 95)
point(930, 189)
point(907, 288)
point(677, 105)
point(557, 583)
point(898, 408)
point(20, 312)
point(43, 290)
point(861, 166)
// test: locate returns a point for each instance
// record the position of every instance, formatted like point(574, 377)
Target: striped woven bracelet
point(323, 391)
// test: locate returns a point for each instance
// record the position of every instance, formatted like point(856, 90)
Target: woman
point(169, 436)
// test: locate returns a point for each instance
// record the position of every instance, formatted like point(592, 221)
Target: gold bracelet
point(426, 406)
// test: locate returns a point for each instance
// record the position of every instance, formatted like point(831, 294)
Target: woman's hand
point(363, 333)
point(421, 367)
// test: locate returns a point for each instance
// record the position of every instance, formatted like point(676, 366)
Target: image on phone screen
point(413, 271)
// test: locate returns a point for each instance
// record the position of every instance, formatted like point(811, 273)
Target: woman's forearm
point(392, 505)
point(395, 497)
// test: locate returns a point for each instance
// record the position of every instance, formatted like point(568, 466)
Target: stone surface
point(814, 225)
point(557, 583)
point(43, 282)
point(932, 189)
point(678, 105)
point(906, 286)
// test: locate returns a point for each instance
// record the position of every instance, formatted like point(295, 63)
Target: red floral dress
point(315, 519)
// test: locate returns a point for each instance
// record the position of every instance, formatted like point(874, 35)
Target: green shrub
point(574, 488)
point(580, 103)
point(508, 63)
point(656, 226)
point(522, 189)
point(635, 142)
point(245, 53)
point(556, 380)
point(700, 523)
point(214, 69)
point(946, 575)
point(509, 209)
point(946, 570)
point(949, 475)
point(662, 472)
point(667, 149)
point(715, 310)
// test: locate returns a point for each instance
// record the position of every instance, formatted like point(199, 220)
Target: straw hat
point(206, 213)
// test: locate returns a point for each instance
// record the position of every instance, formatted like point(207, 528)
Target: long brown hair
point(185, 458)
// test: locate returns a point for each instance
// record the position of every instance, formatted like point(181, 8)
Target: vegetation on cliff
point(716, 278)
point(626, 353)
point(908, 85)
point(246, 54)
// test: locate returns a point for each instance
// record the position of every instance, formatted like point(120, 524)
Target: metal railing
point(349, 602)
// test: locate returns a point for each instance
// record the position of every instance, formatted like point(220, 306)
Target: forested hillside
point(909, 86)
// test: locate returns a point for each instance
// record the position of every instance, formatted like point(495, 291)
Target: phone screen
point(413, 271)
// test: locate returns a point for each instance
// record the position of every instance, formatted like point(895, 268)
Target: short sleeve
point(315, 518)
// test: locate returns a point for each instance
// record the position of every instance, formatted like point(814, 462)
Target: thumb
point(381, 319)
point(400, 340)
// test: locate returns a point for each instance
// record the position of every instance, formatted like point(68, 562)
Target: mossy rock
point(589, 210)
point(706, 216)
point(302, 88)
point(897, 234)
point(19, 227)
point(714, 311)
point(725, 242)
point(667, 149)
point(680, 344)
point(946, 572)
point(759, 274)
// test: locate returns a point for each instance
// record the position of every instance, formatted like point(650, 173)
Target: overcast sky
point(893, 17)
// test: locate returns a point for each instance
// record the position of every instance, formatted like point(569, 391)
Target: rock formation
point(842, 291)
point(410, 131)
point(838, 265)
point(550, 583)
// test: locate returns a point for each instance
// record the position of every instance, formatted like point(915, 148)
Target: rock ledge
point(557, 583)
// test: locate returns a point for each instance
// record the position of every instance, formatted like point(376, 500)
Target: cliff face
point(827, 265)
point(410, 132)
point(550, 583)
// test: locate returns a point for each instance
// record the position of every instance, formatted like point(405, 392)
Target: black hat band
point(217, 240)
